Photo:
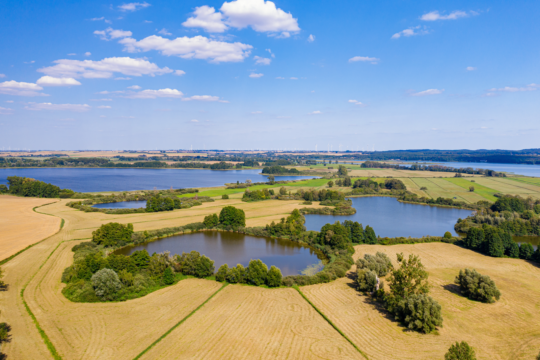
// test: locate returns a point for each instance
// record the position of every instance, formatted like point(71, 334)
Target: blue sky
point(255, 74)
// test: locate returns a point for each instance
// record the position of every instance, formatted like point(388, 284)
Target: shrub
point(447, 235)
point(126, 277)
point(369, 235)
point(4, 335)
point(159, 263)
point(142, 282)
point(419, 312)
point(211, 221)
point(274, 276)
point(106, 284)
point(222, 272)
point(141, 258)
point(366, 280)
point(476, 286)
point(526, 251)
point(380, 264)
point(460, 351)
point(410, 278)
point(231, 216)
point(256, 272)
point(2, 283)
point(168, 277)
point(113, 234)
point(225, 197)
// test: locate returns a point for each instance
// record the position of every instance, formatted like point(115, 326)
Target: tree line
point(28, 187)
point(435, 167)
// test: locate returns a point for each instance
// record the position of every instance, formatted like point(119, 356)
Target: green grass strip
point(178, 324)
point(484, 191)
point(330, 322)
point(44, 336)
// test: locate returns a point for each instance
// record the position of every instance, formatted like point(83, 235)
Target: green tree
point(513, 251)
point(448, 235)
point(106, 284)
point(274, 276)
point(225, 197)
point(366, 280)
point(346, 181)
point(211, 221)
point(380, 264)
point(419, 312)
point(460, 351)
point(113, 234)
point(204, 267)
point(476, 286)
point(330, 184)
point(5, 335)
point(141, 258)
point(231, 216)
point(256, 272)
point(236, 275)
point(2, 283)
point(411, 278)
point(474, 238)
point(342, 171)
point(282, 191)
point(168, 277)
point(222, 272)
point(271, 179)
point(471, 188)
point(526, 251)
point(369, 235)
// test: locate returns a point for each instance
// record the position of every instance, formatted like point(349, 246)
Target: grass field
point(244, 322)
point(442, 188)
point(20, 226)
point(507, 329)
point(479, 189)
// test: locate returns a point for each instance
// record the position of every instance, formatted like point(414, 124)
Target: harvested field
point(413, 187)
point(243, 322)
point(507, 329)
point(20, 226)
point(479, 189)
point(400, 173)
point(524, 187)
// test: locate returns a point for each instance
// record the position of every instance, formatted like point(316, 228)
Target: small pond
point(233, 248)
point(391, 218)
point(122, 205)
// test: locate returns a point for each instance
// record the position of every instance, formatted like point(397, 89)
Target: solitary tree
point(330, 184)
point(471, 188)
point(476, 286)
point(447, 235)
point(460, 351)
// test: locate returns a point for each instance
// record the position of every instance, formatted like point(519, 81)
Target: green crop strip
point(178, 324)
point(330, 322)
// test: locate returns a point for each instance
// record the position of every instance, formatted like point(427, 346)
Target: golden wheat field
point(20, 226)
point(243, 322)
point(507, 329)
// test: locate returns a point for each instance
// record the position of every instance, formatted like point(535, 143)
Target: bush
point(476, 286)
point(231, 216)
point(225, 197)
point(106, 284)
point(4, 334)
point(274, 276)
point(447, 235)
point(366, 280)
point(204, 267)
point(419, 312)
point(380, 264)
point(222, 272)
point(236, 275)
point(526, 251)
point(168, 277)
point(211, 221)
point(256, 272)
point(460, 351)
point(126, 277)
point(113, 234)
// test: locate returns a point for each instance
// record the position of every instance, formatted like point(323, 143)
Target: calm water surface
point(95, 180)
point(122, 205)
point(391, 218)
point(518, 169)
point(232, 248)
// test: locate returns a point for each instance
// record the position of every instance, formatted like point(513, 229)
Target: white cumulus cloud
point(316, 112)
point(133, 6)
point(88, 53)
point(255, 76)
point(54, 81)
point(58, 107)
point(260, 15)
point(134, 87)
point(179, 72)
point(198, 47)
point(372, 60)
point(152, 94)
point(428, 92)
point(530, 87)
point(454, 15)
point(311, 38)
point(103, 69)
point(110, 34)
point(207, 98)
point(162, 32)
point(356, 102)
point(104, 107)
point(262, 61)
point(5, 111)
point(206, 18)
point(2, 75)
point(20, 89)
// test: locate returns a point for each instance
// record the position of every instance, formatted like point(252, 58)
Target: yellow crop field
point(413, 187)
point(399, 173)
point(507, 329)
point(243, 322)
point(20, 226)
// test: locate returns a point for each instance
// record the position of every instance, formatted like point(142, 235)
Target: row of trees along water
point(23, 186)
point(435, 167)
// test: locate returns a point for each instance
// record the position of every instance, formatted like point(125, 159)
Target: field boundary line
point(330, 322)
point(44, 336)
point(2, 262)
point(179, 323)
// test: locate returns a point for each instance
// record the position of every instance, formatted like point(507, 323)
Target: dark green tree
point(526, 251)
point(330, 184)
point(211, 221)
point(448, 235)
point(231, 216)
point(113, 234)
point(168, 277)
point(476, 286)
point(204, 267)
point(273, 278)
point(369, 235)
point(419, 312)
point(460, 351)
point(222, 272)
point(342, 171)
point(141, 258)
point(474, 239)
point(256, 272)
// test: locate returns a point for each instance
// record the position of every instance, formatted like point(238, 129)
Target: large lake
point(391, 218)
point(96, 180)
point(518, 169)
point(233, 248)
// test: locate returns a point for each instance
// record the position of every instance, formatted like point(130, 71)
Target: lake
point(391, 218)
point(122, 205)
point(97, 180)
point(233, 248)
point(518, 169)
